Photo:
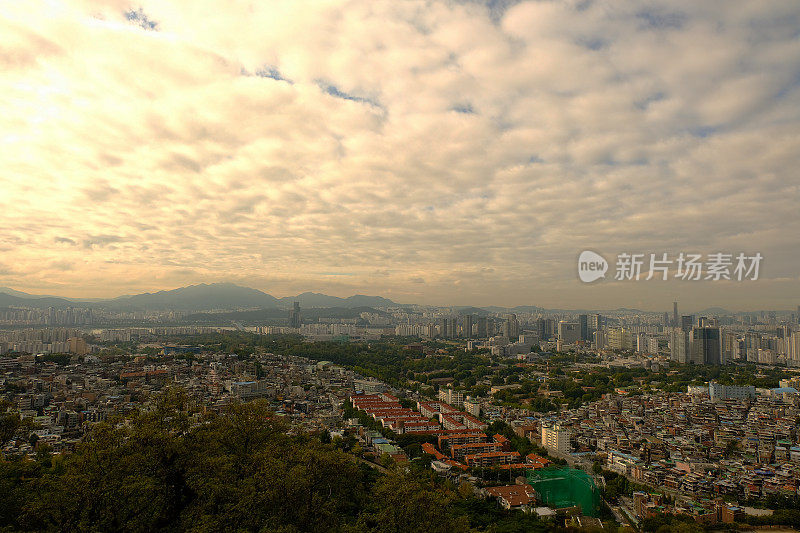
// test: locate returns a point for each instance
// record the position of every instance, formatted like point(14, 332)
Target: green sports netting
point(566, 487)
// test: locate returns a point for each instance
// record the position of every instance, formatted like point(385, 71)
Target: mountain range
point(230, 297)
point(222, 296)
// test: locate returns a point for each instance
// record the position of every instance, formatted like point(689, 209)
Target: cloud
point(483, 143)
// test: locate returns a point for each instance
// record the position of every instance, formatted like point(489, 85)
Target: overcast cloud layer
point(432, 152)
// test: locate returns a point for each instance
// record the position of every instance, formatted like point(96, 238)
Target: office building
point(569, 332)
point(483, 327)
point(679, 345)
point(295, 320)
point(793, 349)
point(674, 314)
point(599, 339)
point(619, 339)
point(511, 327)
point(596, 322)
point(467, 327)
point(77, 345)
point(583, 324)
point(706, 346)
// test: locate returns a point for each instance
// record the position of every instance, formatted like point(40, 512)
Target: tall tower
point(511, 327)
point(583, 322)
point(675, 315)
point(294, 316)
point(483, 327)
point(706, 346)
point(468, 319)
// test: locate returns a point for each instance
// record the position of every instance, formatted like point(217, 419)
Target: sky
point(437, 152)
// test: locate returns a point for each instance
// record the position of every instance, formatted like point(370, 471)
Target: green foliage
point(617, 485)
point(160, 469)
point(665, 523)
point(9, 423)
point(61, 359)
point(523, 445)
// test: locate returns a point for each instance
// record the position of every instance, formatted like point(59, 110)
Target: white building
point(793, 349)
point(452, 397)
point(555, 437)
point(730, 392)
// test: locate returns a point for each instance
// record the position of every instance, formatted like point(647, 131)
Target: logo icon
point(591, 266)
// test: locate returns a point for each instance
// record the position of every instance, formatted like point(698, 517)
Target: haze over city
point(448, 153)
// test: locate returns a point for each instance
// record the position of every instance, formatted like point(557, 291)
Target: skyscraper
point(294, 316)
point(583, 322)
point(597, 322)
point(483, 327)
point(511, 327)
point(793, 349)
point(443, 327)
point(468, 319)
point(679, 345)
point(686, 323)
point(674, 314)
point(569, 332)
point(706, 347)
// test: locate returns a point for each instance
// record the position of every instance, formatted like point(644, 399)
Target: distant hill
point(313, 299)
point(19, 294)
point(279, 317)
point(711, 311)
point(196, 297)
point(471, 311)
point(517, 309)
point(203, 297)
point(8, 300)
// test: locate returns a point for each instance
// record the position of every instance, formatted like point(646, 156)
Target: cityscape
point(418, 266)
point(662, 414)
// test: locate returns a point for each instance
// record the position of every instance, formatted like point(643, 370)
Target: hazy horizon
point(367, 293)
point(442, 152)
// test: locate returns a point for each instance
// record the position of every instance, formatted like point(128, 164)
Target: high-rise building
point(452, 397)
point(599, 339)
point(569, 332)
point(511, 327)
point(295, 320)
point(443, 327)
point(451, 327)
point(596, 322)
point(619, 339)
point(679, 345)
point(674, 314)
point(555, 437)
point(483, 327)
point(687, 321)
point(706, 346)
point(583, 324)
point(468, 320)
point(730, 392)
point(793, 349)
point(77, 345)
point(730, 346)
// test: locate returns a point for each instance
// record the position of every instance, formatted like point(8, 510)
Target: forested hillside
point(174, 468)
